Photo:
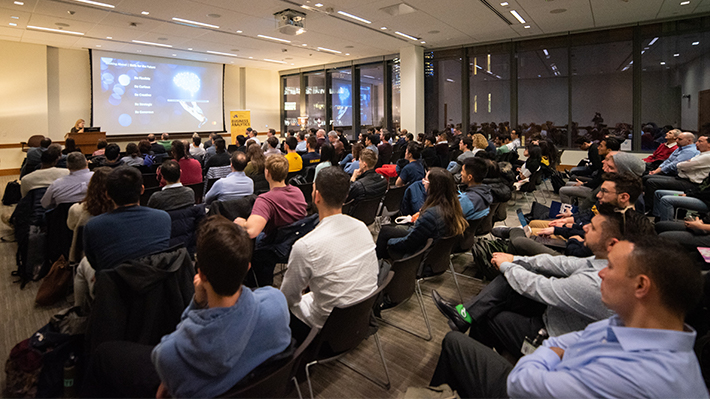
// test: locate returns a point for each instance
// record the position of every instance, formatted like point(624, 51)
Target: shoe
point(448, 309)
point(501, 232)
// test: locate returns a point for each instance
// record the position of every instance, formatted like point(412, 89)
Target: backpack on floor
point(557, 181)
point(483, 251)
point(13, 194)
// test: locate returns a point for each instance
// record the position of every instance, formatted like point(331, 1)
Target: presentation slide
point(140, 94)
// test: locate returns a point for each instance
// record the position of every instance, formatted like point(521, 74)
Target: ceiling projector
point(290, 22)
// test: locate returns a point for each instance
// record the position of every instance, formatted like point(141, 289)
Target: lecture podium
point(87, 141)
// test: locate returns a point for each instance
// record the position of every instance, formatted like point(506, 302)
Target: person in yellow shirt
point(295, 163)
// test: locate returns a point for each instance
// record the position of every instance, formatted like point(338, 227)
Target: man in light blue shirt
point(646, 350)
point(71, 188)
point(235, 185)
point(686, 150)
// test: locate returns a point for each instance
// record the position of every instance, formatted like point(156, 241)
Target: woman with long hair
point(190, 169)
point(354, 163)
point(531, 165)
point(440, 216)
point(327, 158)
point(133, 155)
point(256, 158)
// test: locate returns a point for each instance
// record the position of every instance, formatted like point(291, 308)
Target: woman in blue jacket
point(440, 216)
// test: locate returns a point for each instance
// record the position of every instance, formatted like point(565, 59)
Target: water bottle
point(70, 377)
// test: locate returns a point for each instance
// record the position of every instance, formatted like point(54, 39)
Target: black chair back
point(307, 190)
point(310, 173)
point(275, 384)
point(261, 185)
point(405, 271)
point(365, 209)
point(346, 326)
point(501, 211)
point(531, 185)
point(486, 224)
point(210, 183)
point(393, 200)
point(147, 192)
point(469, 236)
point(198, 188)
point(59, 237)
point(150, 180)
point(437, 260)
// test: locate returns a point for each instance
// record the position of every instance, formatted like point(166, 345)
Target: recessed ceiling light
point(684, 3)
point(19, 3)
point(239, 31)
point(151, 43)
point(504, 4)
point(55, 30)
point(174, 55)
point(145, 12)
point(319, 4)
point(696, 43)
point(13, 17)
point(304, 45)
point(526, 26)
point(13, 24)
point(187, 21)
point(517, 16)
point(98, 45)
point(347, 53)
point(406, 35)
point(276, 61)
point(274, 38)
point(329, 50)
point(189, 48)
point(663, 63)
point(423, 42)
point(293, 63)
point(355, 17)
point(221, 53)
point(384, 28)
point(251, 58)
point(96, 3)
point(676, 55)
point(214, 15)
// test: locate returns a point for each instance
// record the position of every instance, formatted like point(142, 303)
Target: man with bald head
point(684, 173)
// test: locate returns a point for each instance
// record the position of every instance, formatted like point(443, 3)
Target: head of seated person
point(45, 143)
point(311, 144)
point(276, 169)
point(241, 140)
point(144, 147)
point(442, 193)
point(466, 144)
point(177, 147)
point(623, 162)
point(368, 159)
point(101, 144)
point(113, 152)
point(151, 138)
point(330, 190)
point(273, 141)
point(220, 145)
point(645, 288)
point(97, 200)
point(473, 172)
point(612, 225)
point(50, 157)
point(125, 186)
point(239, 161)
point(76, 161)
point(620, 189)
point(170, 170)
point(290, 144)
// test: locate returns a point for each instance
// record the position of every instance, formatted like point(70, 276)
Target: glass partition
point(291, 103)
point(341, 92)
point(372, 96)
point(315, 100)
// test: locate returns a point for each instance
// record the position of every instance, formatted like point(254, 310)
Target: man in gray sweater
point(174, 195)
point(558, 293)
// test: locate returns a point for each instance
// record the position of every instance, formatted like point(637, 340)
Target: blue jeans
point(665, 202)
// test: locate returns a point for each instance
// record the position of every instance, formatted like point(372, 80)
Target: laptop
point(554, 243)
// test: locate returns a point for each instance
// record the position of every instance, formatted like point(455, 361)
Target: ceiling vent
point(398, 9)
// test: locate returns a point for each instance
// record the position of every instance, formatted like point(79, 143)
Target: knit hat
point(626, 162)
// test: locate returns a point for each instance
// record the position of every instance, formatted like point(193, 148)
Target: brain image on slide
point(190, 82)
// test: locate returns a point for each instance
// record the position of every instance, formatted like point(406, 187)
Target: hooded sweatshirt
point(213, 349)
point(476, 201)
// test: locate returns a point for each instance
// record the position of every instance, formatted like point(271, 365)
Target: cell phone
point(690, 218)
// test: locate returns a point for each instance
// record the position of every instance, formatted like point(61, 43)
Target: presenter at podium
point(78, 128)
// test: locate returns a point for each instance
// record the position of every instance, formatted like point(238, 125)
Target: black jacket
point(185, 221)
point(141, 300)
point(368, 185)
point(157, 148)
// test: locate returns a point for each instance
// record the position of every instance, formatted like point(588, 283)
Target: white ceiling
point(439, 23)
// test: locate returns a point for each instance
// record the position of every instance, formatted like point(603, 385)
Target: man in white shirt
point(47, 174)
point(252, 136)
point(515, 141)
point(196, 148)
point(338, 273)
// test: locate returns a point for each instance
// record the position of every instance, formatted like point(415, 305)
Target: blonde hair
point(479, 141)
point(78, 121)
point(277, 165)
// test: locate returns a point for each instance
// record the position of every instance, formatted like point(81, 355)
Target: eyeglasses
point(605, 191)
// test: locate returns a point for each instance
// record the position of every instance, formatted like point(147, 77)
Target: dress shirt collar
point(671, 145)
point(639, 339)
point(235, 173)
point(174, 185)
point(80, 171)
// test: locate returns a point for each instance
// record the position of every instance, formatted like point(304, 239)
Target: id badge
point(527, 347)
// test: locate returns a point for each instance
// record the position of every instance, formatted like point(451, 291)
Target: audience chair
point(150, 180)
point(438, 260)
point(147, 192)
point(309, 173)
point(276, 383)
point(392, 201)
point(215, 173)
point(343, 331)
point(198, 188)
point(232, 209)
point(529, 187)
point(364, 210)
point(307, 190)
point(261, 185)
point(59, 237)
point(33, 141)
point(291, 175)
point(403, 286)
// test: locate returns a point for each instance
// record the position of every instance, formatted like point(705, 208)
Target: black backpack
point(483, 251)
point(13, 194)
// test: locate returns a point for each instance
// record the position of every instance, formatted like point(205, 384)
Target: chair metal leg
point(453, 273)
point(386, 385)
point(308, 377)
point(384, 362)
point(298, 389)
point(420, 299)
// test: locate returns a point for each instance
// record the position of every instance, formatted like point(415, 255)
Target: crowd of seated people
point(572, 317)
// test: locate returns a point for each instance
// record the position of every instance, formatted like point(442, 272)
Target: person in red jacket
point(664, 150)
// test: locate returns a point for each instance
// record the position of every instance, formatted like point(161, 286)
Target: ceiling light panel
point(190, 22)
point(96, 3)
point(151, 43)
point(68, 32)
point(274, 38)
point(517, 16)
point(410, 37)
point(355, 17)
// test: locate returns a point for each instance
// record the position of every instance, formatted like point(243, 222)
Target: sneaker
point(448, 309)
point(501, 232)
